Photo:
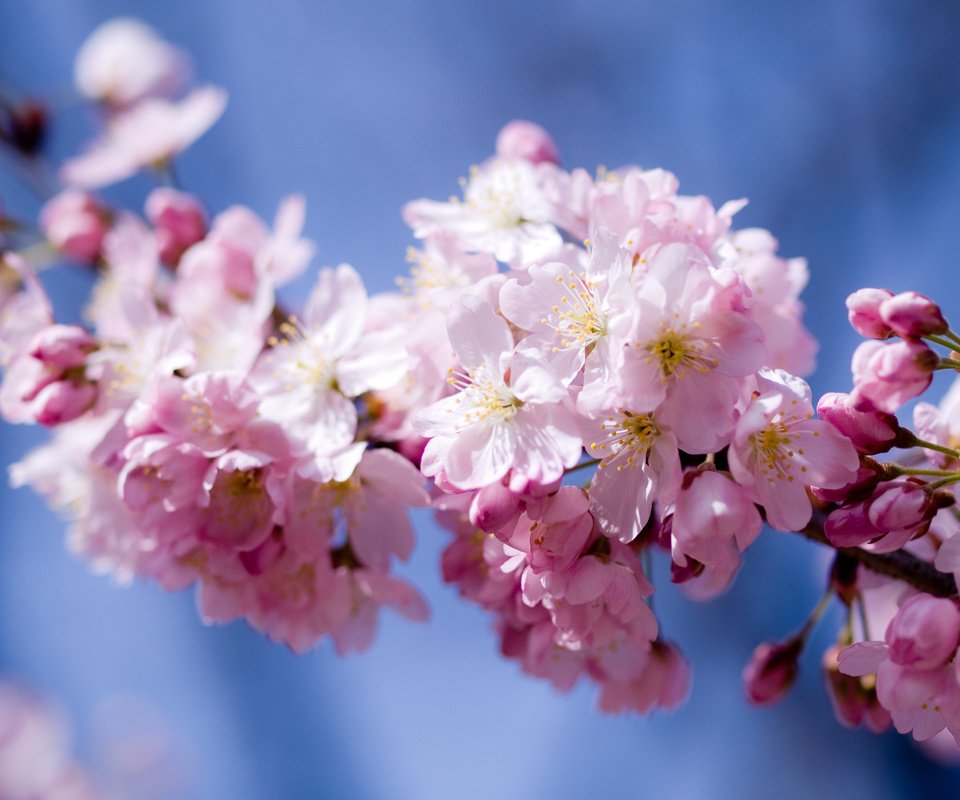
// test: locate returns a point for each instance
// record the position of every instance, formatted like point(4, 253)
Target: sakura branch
point(581, 372)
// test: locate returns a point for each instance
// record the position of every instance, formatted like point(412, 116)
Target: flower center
point(772, 449)
point(676, 352)
point(577, 318)
point(483, 397)
point(629, 437)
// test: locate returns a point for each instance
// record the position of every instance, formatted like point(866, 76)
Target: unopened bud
point(771, 671)
point(526, 141)
point(863, 311)
point(910, 314)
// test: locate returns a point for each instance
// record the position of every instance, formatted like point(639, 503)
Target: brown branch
point(900, 564)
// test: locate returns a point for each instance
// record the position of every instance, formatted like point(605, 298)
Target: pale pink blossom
point(124, 61)
point(505, 211)
point(778, 450)
point(147, 135)
point(510, 412)
point(639, 464)
point(578, 319)
point(714, 520)
point(775, 284)
point(690, 343)
point(917, 679)
point(307, 379)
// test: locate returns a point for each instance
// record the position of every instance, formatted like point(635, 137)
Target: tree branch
point(900, 564)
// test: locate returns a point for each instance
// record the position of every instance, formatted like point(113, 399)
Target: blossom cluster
point(629, 330)
point(203, 436)
point(579, 372)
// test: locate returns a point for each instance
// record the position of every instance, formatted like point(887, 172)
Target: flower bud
point(494, 507)
point(526, 141)
point(772, 670)
point(869, 473)
point(871, 431)
point(179, 220)
point(75, 223)
point(63, 401)
point(63, 346)
point(912, 314)
point(887, 376)
point(924, 634)
point(863, 311)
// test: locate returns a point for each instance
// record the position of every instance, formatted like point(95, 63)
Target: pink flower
point(505, 212)
point(639, 464)
point(664, 683)
point(778, 450)
point(886, 376)
point(917, 679)
point(124, 61)
point(527, 141)
point(510, 412)
point(578, 319)
point(690, 342)
point(146, 135)
point(714, 520)
point(307, 379)
point(75, 223)
point(776, 284)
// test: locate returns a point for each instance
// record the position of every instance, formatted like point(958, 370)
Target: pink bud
point(75, 223)
point(526, 141)
point(912, 314)
point(772, 670)
point(869, 474)
point(179, 220)
point(924, 634)
point(494, 507)
point(871, 431)
point(63, 346)
point(863, 311)
point(900, 504)
point(850, 527)
point(63, 401)
point(886, 376)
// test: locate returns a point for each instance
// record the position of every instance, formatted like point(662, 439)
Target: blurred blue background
point(840, 122)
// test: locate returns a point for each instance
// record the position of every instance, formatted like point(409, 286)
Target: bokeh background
point(839, 120)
